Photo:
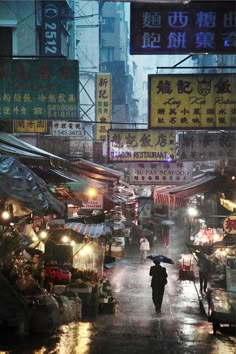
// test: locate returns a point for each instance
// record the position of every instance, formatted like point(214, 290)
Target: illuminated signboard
point(39, 89)
point(192, 101)
point(229, 225)
point(197, 27)
point(160, 173)
point(141, 145)
point(103, 105)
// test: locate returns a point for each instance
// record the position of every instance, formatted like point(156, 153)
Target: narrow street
point(135, 328)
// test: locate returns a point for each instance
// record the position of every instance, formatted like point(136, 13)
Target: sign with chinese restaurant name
point(229, 225)
point(67, 128)
point(39, 89)
point(141, 145)
point(197, 27)
point(103, 105)
point(30, 126)
point(192, 101)
point(160, 173)
point(206, 146)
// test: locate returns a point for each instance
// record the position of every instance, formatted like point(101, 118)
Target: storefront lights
point(43, 235)
point(65, 239)
point(192, 211)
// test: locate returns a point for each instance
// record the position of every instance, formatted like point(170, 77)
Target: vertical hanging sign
point(51, 28)
point(103, 106)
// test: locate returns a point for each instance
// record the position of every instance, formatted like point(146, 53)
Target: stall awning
point(177, 196)
point(22, 186)
point(90, 230)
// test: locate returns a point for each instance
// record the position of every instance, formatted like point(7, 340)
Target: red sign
point(230, 225)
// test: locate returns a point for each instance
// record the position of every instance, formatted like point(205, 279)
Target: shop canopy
point(90, 230)
point(54, 167)
point(25, 190)
point(177, 196)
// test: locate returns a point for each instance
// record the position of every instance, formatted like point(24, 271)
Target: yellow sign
point(230, 225)
point(31, 126)
point(192, 101)
point(228, 204)
point(103, 105)
point(141, 145)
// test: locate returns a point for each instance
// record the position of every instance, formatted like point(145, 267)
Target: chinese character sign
point(31, 126)
point(39, 89)
point(160, 173)
point(196, 146)
point(200, 27)
point(141, 145)
point(103, 106)
point(192, 101)
point(67, 128)
point(230, 225)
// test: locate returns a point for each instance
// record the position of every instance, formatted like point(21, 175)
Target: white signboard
point(160, 173)
point(94, 203)
point(66, 128)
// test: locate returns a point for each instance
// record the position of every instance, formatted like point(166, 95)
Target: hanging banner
point(192, 101)
point(103, 105)
point(66, 128)
point(39, 89)
point(160, 173)
point(30, 126)
point(141, 145)
point(206, 146)
point(196, 27)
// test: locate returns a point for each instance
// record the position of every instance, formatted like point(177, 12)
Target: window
point(107, 54)
point(108, 24)
point(6, 41)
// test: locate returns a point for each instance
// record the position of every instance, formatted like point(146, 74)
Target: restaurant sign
point(197, 27)
point(206, 145)
point(31, 126)
point(67, 128)
point(141, 145)
point(160, 173)
point(229, 225)
point(39, 89)
point(192, 101)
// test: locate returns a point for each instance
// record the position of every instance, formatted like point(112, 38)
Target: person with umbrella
point(159, 280)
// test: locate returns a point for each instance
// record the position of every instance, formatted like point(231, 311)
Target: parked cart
point(186, 270)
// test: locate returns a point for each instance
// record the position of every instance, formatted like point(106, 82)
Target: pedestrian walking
point(144, 247)
point(159, 280)
point(204, 271)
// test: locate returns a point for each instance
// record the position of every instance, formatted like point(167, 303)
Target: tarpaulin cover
point(20, 184)
point(90, 230)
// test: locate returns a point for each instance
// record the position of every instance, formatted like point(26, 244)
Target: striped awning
point(177, 196)
point(90, 230)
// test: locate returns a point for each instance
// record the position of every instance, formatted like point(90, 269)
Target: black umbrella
point(160, 258)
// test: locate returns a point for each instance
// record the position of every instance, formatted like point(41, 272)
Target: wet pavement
point(135, 328)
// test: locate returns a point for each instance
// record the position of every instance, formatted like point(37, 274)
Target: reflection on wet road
point(135, 328)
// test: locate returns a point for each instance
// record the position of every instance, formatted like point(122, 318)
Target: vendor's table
point(221, 308)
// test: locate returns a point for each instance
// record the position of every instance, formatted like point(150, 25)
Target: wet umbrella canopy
point(160, 259)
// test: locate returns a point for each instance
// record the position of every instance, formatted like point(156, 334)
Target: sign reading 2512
point(51, 25)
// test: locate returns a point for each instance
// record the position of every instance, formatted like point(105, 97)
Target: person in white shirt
point(144, 247)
